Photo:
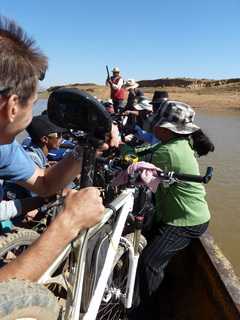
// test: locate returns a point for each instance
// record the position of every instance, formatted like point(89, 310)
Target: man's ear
point(12, 107)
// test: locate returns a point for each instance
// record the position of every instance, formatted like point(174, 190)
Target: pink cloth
point(148, 175)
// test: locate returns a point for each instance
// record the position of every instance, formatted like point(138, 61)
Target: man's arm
point(46, 182)
point(49, 181)
point(117, 86)
point(82, 209)
point(133, 112)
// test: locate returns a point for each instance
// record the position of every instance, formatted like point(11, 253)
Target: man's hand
point(129, 112)
point(126, 113)
point(129, 137)
point(82, 209)
point(108, 82)
point(113, 140)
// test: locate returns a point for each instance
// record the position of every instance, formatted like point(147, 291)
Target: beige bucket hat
point(131, 84)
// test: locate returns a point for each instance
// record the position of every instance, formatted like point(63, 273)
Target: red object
point(110, 109)
point(119, 93)
point(139, 218)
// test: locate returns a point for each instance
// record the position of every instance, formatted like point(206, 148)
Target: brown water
point(223, 191)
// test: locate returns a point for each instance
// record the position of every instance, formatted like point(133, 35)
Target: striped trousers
point(165, 242)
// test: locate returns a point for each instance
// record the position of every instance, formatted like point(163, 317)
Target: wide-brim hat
point(115, 69)
point(187, 128)
point(131, 84)
point(159, 96)
point(143, 104)
point(177, 117)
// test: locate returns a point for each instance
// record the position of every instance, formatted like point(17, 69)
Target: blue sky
point(147, 40)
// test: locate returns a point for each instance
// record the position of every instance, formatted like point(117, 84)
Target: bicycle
point(106, 293)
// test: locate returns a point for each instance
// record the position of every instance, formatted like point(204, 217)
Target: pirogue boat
point(199, 284)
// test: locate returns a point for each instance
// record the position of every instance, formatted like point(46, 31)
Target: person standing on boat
point(181, 209)
point(117, 91)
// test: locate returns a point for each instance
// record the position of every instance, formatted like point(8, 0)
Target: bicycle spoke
point(114, 308)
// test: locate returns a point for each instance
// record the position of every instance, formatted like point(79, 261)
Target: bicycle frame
point(124, 205)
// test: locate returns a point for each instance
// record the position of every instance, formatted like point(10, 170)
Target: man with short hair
point(117, 91)
point(44, 135)
point(21, 65)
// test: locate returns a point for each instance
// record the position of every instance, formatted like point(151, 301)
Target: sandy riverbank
point(219, 98)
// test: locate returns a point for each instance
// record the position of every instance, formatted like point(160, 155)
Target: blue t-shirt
point(53, 154)
point(15, 164)
point(37, 155)
point(145, 136)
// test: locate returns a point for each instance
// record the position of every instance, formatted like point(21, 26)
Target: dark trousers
point(118, 105)
point(166, 241)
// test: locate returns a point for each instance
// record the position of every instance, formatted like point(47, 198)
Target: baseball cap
point(41, 126)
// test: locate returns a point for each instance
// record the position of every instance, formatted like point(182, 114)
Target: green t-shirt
point(180, 204)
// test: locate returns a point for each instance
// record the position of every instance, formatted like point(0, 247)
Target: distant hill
point(50, 89)
point(199, 93)
point(187, 82)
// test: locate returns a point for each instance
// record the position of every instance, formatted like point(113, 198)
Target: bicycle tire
point(97, 250)
point(14, 243)
point(112, 306)
point(25, 300)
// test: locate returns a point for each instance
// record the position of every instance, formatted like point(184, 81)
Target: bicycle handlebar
point(190, 177)
point(165, 175)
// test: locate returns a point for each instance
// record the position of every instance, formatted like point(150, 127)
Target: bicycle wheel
point(112, 306)
point(13, 244)
point(23, 300)
point(96, 254)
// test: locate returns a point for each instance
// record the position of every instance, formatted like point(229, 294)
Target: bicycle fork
point(133, 260)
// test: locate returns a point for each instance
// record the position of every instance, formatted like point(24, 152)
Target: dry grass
point(217, 98)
